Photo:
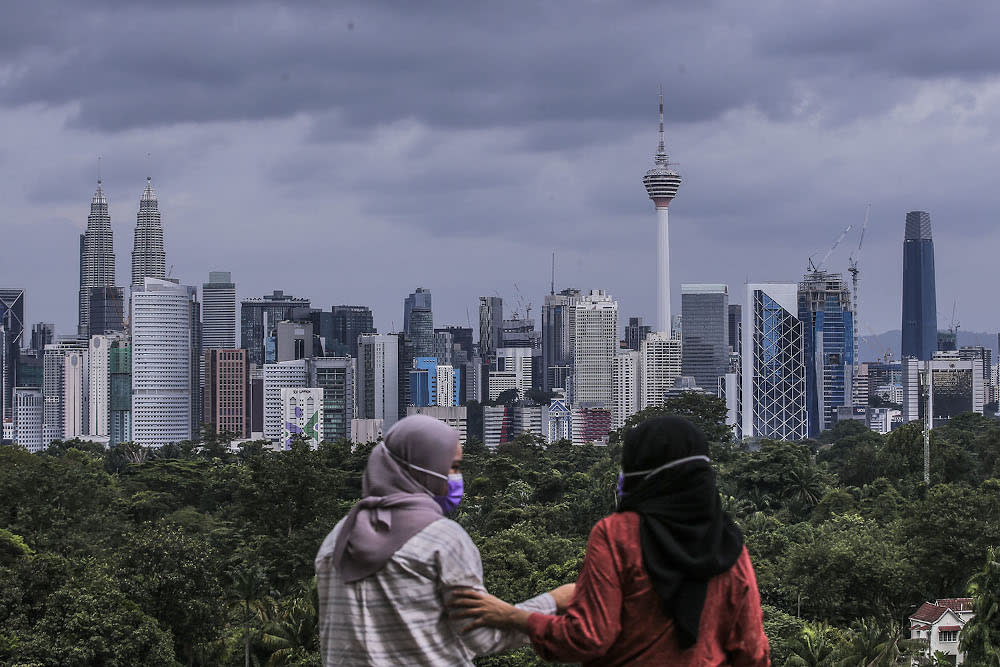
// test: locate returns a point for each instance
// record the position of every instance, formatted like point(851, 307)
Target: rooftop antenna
point(661, 148)
point(98, 169)
point(552, 286)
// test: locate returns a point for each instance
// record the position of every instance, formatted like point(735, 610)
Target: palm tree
point(249, 589)
point(812, 648)
point(293, 631)
point(805, 485)
point(874, 644)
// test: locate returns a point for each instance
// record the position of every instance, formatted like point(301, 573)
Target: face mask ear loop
point(416, 467)
point(649, 473)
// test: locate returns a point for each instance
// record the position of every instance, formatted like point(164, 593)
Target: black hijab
point(686, 537)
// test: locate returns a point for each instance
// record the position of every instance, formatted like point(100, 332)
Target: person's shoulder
point(742, 570)
point(619, 523)
point(442, 533)
point(329, 543)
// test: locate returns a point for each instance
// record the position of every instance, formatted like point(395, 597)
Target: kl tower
point(661, 184)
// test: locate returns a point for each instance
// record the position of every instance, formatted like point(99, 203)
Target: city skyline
point(772, 148)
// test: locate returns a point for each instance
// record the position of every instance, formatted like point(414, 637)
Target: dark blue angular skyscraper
point(919, 295)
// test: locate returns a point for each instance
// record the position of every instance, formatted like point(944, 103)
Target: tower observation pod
point(661, 185)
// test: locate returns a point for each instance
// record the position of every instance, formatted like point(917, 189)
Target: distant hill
point(873, 347)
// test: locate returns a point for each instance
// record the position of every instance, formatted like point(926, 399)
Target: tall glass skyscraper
point(774, 374)
point(218, 311)
point(148, 257)
point(557, 321)
point(97, 259)
point(919, 295)
point(705, 335)
point(349, 322)
point(825, 311)
point(11, 332)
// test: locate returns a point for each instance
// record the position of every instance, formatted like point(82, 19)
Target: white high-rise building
point(99, 382)
point(511, 369)
point(148, 257)
point(97, 255)
point(446, 381)
point(378, 378)
point(75, 387)
point(625, 378)
point(302, 415)
point(29, 409)
point(661, 185)
point(54, 389)
point(659, 368)
point(595, 344)
point(774, 373)
point(218, 312)
point(948, 384)
point(277, 377)
point(162, 362)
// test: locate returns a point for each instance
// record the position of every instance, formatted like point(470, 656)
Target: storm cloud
point(351, 153)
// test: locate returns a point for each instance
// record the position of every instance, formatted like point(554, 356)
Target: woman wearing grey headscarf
point(387, 569)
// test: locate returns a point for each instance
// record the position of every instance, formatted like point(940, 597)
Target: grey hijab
point(397, 500)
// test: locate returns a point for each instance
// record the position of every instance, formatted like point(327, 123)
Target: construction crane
point(816, 268)
point(855, 258)
point(524, 306)
point(852, 264)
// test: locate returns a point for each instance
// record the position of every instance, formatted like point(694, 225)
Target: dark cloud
point(321, 148)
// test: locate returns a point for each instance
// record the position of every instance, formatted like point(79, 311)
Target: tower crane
point(852, 264)
point(815, 268)
point(855, 258)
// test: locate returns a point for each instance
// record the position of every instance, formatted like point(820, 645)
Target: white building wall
point(161, 362)
point(595, 342)
point(302, 414)
point(454, 416)
point(74, 394)
point(516, 373)
point(99, 381)
point(28, 416)
point(557, 421)
point(378, 373)
point(279, 376)
point(54, 385)
point(625, 378)
point(364, 431)
point(445, 385)
point(660, 366)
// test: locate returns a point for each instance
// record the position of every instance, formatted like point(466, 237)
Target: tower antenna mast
point(552, 286)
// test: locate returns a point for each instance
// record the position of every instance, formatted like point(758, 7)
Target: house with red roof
point(940, 624)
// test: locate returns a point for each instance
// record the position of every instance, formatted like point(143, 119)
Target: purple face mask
point(456, 488)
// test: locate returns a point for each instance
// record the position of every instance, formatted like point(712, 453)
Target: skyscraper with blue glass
point(919, 295)
point(828, 344)
point(774, 374)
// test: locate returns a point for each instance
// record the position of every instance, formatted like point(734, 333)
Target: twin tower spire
point(97, 253)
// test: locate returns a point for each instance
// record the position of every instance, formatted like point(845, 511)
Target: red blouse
point(616, 618)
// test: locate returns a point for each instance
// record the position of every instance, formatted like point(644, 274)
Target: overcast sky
point(351, 154)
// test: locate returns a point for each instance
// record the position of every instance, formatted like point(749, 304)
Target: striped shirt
point(397, 616)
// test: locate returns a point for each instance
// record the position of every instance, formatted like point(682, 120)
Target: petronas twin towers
point(97, 252)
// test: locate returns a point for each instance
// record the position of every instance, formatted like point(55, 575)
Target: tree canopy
point(200, 556)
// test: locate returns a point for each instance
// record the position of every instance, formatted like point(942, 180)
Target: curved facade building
point(919, 292)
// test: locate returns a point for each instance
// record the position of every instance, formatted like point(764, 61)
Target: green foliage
point(981, 635)
point(195, 555)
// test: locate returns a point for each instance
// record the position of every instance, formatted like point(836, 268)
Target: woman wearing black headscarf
point(666, 579)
